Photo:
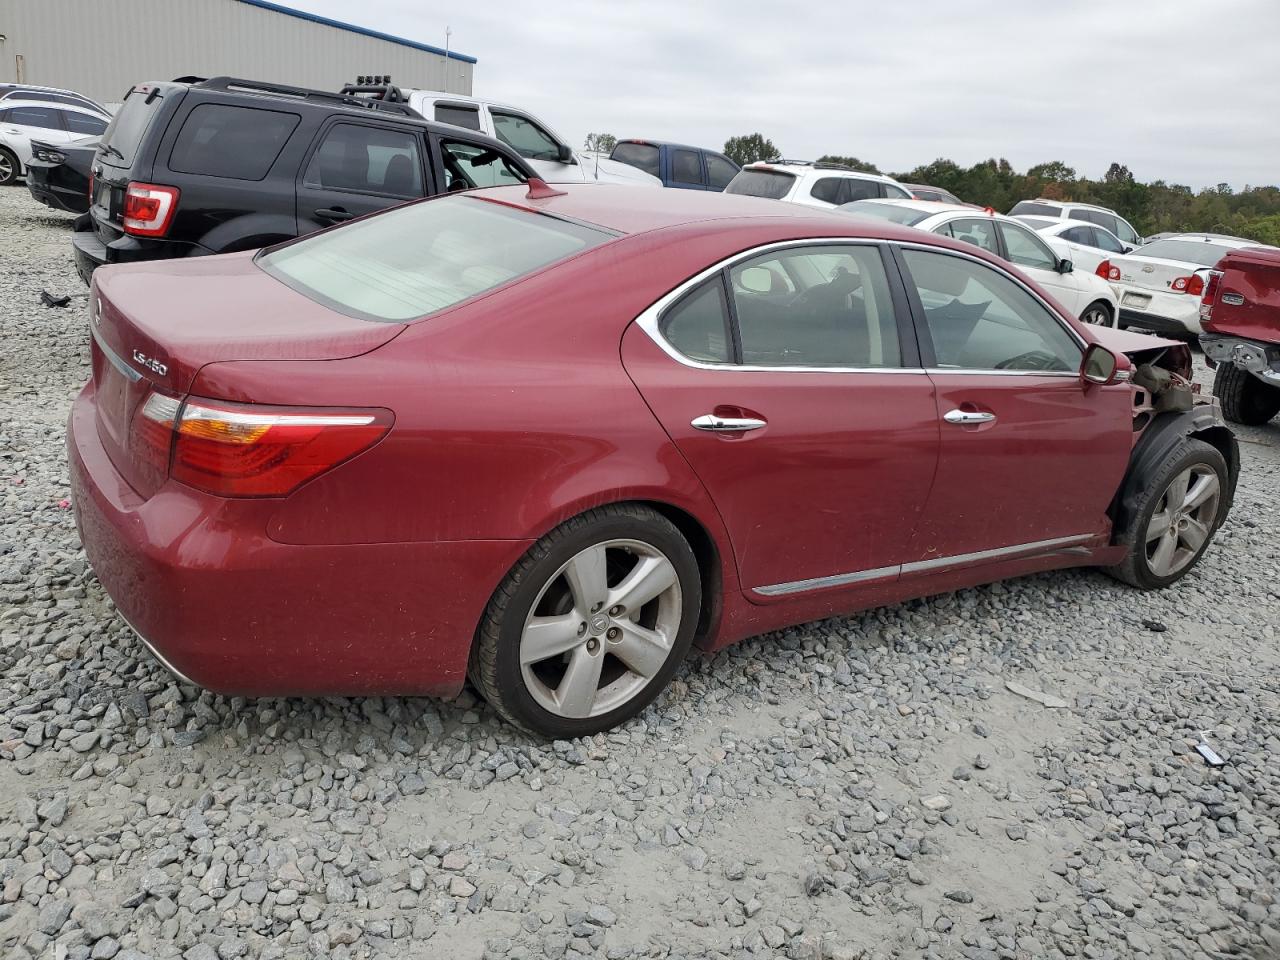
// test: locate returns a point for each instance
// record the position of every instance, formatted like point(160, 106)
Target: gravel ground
point(860, 787)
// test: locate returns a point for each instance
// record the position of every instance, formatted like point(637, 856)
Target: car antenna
point(539, 189)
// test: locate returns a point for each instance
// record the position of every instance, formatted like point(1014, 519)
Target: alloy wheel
point(601, 628)
point(6, 168)
point(1183, 520)
point(1097, 316)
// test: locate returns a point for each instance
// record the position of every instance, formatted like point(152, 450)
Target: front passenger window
point(468, 165)
point(981, 319)
point(1026, 249)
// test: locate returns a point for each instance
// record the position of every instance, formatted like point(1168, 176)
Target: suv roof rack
point(375, 88)
point(239, 85)
point(816, 164)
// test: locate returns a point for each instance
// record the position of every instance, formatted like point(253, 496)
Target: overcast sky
point(1179, 90)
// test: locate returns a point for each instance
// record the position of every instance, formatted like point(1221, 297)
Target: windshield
point(907, 216)
point(770, 184)
point(420, 258)
point(1188, 251)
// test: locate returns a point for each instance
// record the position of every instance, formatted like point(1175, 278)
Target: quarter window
point(367, 160)
point(233, 142)
point(981, 319)
point(525, 137)
point(1026, 249)
point(980, 233)
point(686, 167)
point(698, 324)
point(825, 306)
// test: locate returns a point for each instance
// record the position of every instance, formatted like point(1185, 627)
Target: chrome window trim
point(130, 374)
point(650, 318)
point(1034, 548)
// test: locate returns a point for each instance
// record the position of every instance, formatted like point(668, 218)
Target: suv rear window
point(642, 156)
point(129, 125)
point(772, 184)
point(1035, 209)
point(239, 143)
point(423, 257)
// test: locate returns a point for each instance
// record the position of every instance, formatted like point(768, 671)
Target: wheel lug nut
point(615, 611)
point(597, 607)
point(582, 628)
point(593, 645)
point(614, 633)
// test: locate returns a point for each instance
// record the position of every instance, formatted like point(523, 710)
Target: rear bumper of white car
point(1176, 313)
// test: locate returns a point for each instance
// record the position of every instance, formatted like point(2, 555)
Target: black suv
point(197, 166)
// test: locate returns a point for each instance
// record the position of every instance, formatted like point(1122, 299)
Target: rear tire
point(10, 168)
point(1245, 398)
point(1176, 517)
point(590, 624)
point(1098, 314)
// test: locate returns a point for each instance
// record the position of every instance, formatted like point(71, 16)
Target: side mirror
point(1098, 366)
point(564, 154)
point(1064, 266)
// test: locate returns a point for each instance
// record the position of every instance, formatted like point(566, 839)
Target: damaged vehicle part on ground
point(626, 423)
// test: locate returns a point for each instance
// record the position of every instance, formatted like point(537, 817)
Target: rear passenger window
point(698, 324)
point(1083, 235)
point(686, 167)
point(642, 156)
point(821, 306)
point(458, 115)
point(856, 189)
point(83, 123)
point(238, 143)
point(367, 160)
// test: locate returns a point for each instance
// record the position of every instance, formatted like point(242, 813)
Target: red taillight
point(1192, 285)
point(252, 450)
point(1106, 271)
point(1210, 294)
point(148, 208)
point(151, 437)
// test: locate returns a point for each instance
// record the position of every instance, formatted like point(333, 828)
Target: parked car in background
point(922, 191)
point(13, 92)
point(58, 175)
point(224, 164)
point(547, 153)
point(1085, 244)
point(360, 460)
point(1240, 317)
point(21, 121)
point(676, 164)
point(1088, 212)
point(813, 184)
point(1087, 296)
point(1160, 284)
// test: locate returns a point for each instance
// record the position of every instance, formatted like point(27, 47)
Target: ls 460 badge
point(155, 366)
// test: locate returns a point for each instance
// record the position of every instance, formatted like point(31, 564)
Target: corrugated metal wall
point(102, 47)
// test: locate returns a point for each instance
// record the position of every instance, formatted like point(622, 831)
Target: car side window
point(238, 143)
point(1105, 241)
point(642, 156)
point(719, 171)
point(83, 123)
point(524, 136)
point(686, 166)
point(46, 118)
point(820, 306)
point(458, 114)
point(698, 324)
point(364, 159)
point(855, 188)
point(895, 193)
point(979, 318)
point(1025, 248)
point(468, 165)
point(1106, 220)
point(1082, 235)
point(980, 233)
point(1125, 232)
point(827, 190)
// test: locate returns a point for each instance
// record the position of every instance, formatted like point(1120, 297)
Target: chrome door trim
point(968, 416)
point(713, 424)
point(1033, 548)
point(130, 374)
point(965, 372)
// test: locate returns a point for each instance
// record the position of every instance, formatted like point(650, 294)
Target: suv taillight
point(1210, 294)
point(250, 449)
point(1106, 271)
point(148, 209)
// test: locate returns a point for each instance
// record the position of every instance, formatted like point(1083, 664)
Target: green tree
point(750, 148)
point(1055, 171)
point(603, 142)
point(853, 162)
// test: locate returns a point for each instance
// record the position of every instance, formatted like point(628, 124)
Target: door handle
point(333, 214)
point(710, 422)
point(968, 416)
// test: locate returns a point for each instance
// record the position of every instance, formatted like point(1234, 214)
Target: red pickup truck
point(1240, 314)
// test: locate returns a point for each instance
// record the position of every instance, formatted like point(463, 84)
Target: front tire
point(1099, 314)
point(10, 168)
point(1245, 398)
point(590, 624)
point(1176, 517)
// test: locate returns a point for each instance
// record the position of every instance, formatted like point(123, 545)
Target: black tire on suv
point(1245, 398)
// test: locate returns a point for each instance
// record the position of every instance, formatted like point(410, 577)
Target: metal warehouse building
point(102, 47)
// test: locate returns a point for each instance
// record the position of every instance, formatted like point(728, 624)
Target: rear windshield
point(417, 259)
point(1037, 223)
point(128, 126)
point(1188, 251)
point(907, 216)
point(1030, 207)
point(761, 183)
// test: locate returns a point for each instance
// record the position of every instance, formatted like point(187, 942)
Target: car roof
point(797, 167)
point(628, 209)
point(648, 141)
point(58, 105)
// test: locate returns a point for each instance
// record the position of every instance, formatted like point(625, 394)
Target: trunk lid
point(1151, 273)
point(1248, 296)
point(155, 325)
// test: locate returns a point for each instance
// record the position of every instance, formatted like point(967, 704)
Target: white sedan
point(1085, 244)
point(1160, 283)
point(1083, 293)
point(23, 120)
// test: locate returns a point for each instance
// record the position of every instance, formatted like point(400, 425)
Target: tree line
point(1156, 207)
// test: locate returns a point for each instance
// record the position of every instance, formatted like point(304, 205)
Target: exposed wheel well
point(1111, 314)
point(709, 560)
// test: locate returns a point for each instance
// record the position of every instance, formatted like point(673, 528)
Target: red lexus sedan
point(551, 439)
